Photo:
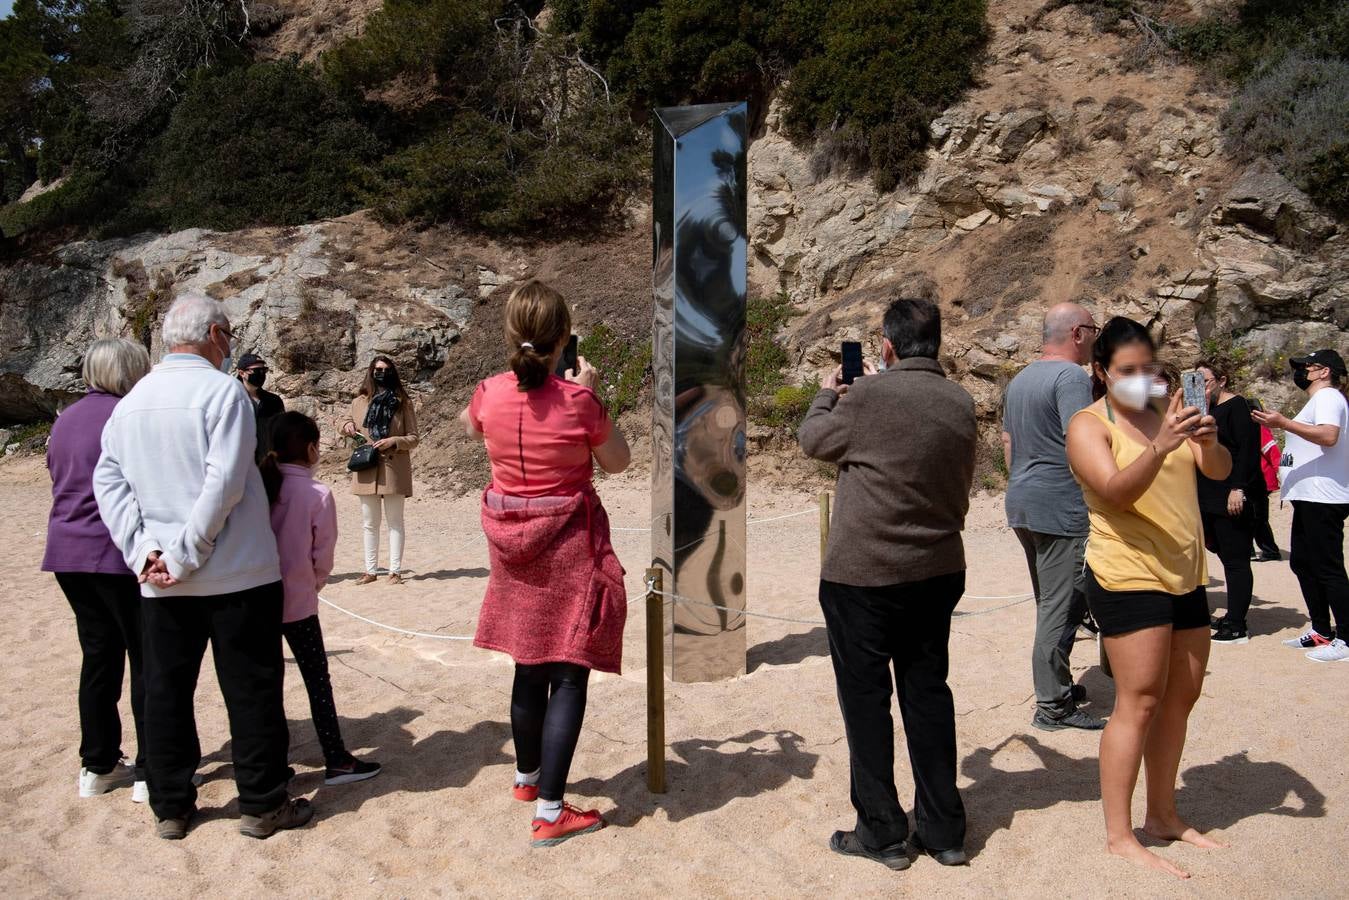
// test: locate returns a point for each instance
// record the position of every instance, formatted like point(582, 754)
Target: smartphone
point(1192, 385)
point(852, 361)
point(568, 358)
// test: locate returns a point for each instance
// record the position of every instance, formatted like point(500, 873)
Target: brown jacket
point(904, 443)
point(393, 475)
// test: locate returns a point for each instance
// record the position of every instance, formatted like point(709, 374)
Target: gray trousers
point(1056, 576)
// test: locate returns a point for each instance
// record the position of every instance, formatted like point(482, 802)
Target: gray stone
point(1017, 130)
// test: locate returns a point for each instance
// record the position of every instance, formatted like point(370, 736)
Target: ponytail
point(537, 321)
point(271, 476)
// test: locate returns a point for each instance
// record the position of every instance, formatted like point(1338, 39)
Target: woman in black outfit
point(1228, 506)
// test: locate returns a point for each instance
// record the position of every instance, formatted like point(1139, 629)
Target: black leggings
point(1232, 535)
point(305, 638)
point(548, 702)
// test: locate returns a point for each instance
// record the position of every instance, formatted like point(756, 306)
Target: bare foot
point(1142, 857)
point(1177, 830)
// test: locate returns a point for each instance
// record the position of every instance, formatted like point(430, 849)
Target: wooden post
point(824, 525)
point(655, 682)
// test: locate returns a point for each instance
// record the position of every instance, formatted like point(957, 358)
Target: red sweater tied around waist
point(555, 593)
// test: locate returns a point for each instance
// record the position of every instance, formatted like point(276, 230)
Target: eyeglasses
point(1089, 326)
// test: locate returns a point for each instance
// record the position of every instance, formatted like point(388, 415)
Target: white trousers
point(393, 510)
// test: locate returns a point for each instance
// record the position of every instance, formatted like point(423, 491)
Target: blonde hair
point(114, 365)
point(537, 320)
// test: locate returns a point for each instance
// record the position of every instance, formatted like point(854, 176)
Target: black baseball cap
point(249, 360)
point(1328, 358)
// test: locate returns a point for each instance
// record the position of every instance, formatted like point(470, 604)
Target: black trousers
point(548, 704)
point(1316, 556)
point(1233, 535)
point(244, 631)
point(904, 627)
point(1264, 535)
point(305, 639)
point(108, 622)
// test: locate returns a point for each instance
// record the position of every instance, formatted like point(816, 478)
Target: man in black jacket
point(252, 371)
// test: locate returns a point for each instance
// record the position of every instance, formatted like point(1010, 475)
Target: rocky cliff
point(1070, 172)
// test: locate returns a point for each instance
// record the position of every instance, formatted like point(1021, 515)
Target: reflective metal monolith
point(698, 428)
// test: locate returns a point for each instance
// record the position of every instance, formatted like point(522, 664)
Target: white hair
point(115, 365)
point(190, 318)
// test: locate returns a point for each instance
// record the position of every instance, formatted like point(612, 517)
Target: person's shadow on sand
point(1213, 795)
point(788, 649)
point(704, 776)
point(445, 759)
point(1263, 617)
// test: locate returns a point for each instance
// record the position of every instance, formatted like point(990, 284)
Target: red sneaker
point(527, 792)
point(571, 823)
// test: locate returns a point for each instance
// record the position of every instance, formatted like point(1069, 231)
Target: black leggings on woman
point(305, 638)
point(1232, 536)
point(548, 702)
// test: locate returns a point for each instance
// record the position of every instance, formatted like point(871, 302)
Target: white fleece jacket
point(177, 475)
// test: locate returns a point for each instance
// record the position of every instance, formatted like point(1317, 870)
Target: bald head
point(1069, 331)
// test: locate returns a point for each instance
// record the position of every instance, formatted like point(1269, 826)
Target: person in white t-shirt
point(1316, 481)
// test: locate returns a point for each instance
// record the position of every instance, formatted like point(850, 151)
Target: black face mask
point(1300, 379)
point(379, 375)
point(257, 379)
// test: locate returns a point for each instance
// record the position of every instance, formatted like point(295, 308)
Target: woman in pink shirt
point(555, 600)
point(304, 519)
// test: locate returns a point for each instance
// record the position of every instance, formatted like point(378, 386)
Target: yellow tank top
point(1158, 543)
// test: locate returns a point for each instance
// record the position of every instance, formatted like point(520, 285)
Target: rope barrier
point(804, 512)
point(394, 628)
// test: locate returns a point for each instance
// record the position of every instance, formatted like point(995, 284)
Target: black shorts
point(1119, 612)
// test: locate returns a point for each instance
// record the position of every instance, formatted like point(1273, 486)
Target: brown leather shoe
point(395, 578)
point(367, 579)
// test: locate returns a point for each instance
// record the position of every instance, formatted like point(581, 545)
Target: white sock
point(532, 778)
point(548, 810)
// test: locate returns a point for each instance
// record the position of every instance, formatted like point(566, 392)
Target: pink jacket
point(555, 593)
point(304, 519)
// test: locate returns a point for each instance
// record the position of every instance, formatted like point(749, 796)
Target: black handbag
point(363, 457)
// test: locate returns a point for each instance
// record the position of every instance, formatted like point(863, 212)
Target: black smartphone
point(568, 358)
point(852, 361)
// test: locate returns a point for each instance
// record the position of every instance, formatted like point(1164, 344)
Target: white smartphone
point(1192, 386)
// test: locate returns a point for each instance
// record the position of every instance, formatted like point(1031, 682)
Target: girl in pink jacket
point(304, 519)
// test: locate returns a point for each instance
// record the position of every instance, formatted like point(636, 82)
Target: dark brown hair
point(395, 384)
point(1118, 332)
point(291, 433)
point(537, 316)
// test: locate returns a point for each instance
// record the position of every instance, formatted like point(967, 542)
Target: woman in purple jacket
point(102, 591)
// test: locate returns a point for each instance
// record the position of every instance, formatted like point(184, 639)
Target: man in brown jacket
point(894, 570)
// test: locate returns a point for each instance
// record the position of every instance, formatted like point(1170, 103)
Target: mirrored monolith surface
point(698, 428)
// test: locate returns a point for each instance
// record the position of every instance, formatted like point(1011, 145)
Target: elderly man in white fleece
point(178, 489)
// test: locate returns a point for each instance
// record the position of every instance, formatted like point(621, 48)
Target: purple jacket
point(77, 539)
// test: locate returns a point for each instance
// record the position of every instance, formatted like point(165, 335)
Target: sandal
point(395, 578)
point(367, 579)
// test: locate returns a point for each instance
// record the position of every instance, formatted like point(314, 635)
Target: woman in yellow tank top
point(1135, 456)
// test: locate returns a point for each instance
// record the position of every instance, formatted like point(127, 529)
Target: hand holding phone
point(1192, 386)
point(852, 362)
point(567, 362)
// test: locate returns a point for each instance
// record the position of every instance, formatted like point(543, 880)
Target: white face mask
point(1133, 391)
point(1157, 390)
point(227, 364)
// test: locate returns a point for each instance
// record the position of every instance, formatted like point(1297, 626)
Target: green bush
point(771, 401)
point(624, 366)
point(271, 143)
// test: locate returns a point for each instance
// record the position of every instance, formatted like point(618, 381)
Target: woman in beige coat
point(383, 413)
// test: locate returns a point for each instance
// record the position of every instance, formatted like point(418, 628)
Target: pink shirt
point(539, 442)
point(304, 519)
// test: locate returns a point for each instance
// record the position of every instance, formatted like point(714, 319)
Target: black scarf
point(380, 414)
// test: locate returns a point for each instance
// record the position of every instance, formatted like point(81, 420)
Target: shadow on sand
point(789, 649)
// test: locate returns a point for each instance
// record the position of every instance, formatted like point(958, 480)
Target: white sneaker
point(92, 784)
point(140, 792)
point(1336, 651)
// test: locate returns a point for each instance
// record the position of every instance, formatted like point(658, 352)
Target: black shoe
point(1079, 693)
point(1216, 622)
point(955, 856)
point(351, 770)
point(895, 857)
point(1075, 719)
point(1230, 634)
point(1269, 557)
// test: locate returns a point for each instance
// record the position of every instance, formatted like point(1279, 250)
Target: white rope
point(395, 629)
point(804, 512)
point(676, 598)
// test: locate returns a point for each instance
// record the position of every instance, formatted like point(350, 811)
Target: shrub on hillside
point(1296, 114)
point(271, 143)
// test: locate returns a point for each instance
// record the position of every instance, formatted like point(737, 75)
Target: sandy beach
point(757, 765)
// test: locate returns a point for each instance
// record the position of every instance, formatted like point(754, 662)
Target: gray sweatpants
point(1056, 576)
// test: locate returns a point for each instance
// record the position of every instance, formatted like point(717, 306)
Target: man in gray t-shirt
point(1045, 506)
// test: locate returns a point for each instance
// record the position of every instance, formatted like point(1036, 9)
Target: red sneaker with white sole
point(570, 824)
point(526, 792)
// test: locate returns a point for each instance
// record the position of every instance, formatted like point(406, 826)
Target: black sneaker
point(1079, 693)
point(895, 858)
point(352, 770)
point(1216, 622)
point(1075, 719)
point(1269, 557)
point(1230, 634)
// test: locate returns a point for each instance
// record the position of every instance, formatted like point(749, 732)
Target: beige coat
point(393, 475)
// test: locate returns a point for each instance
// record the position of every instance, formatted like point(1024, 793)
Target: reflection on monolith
point(698, 427)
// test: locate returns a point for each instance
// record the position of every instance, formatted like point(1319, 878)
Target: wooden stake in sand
point(655, 682)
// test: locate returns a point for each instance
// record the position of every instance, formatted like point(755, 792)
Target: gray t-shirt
point(1041, 492)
